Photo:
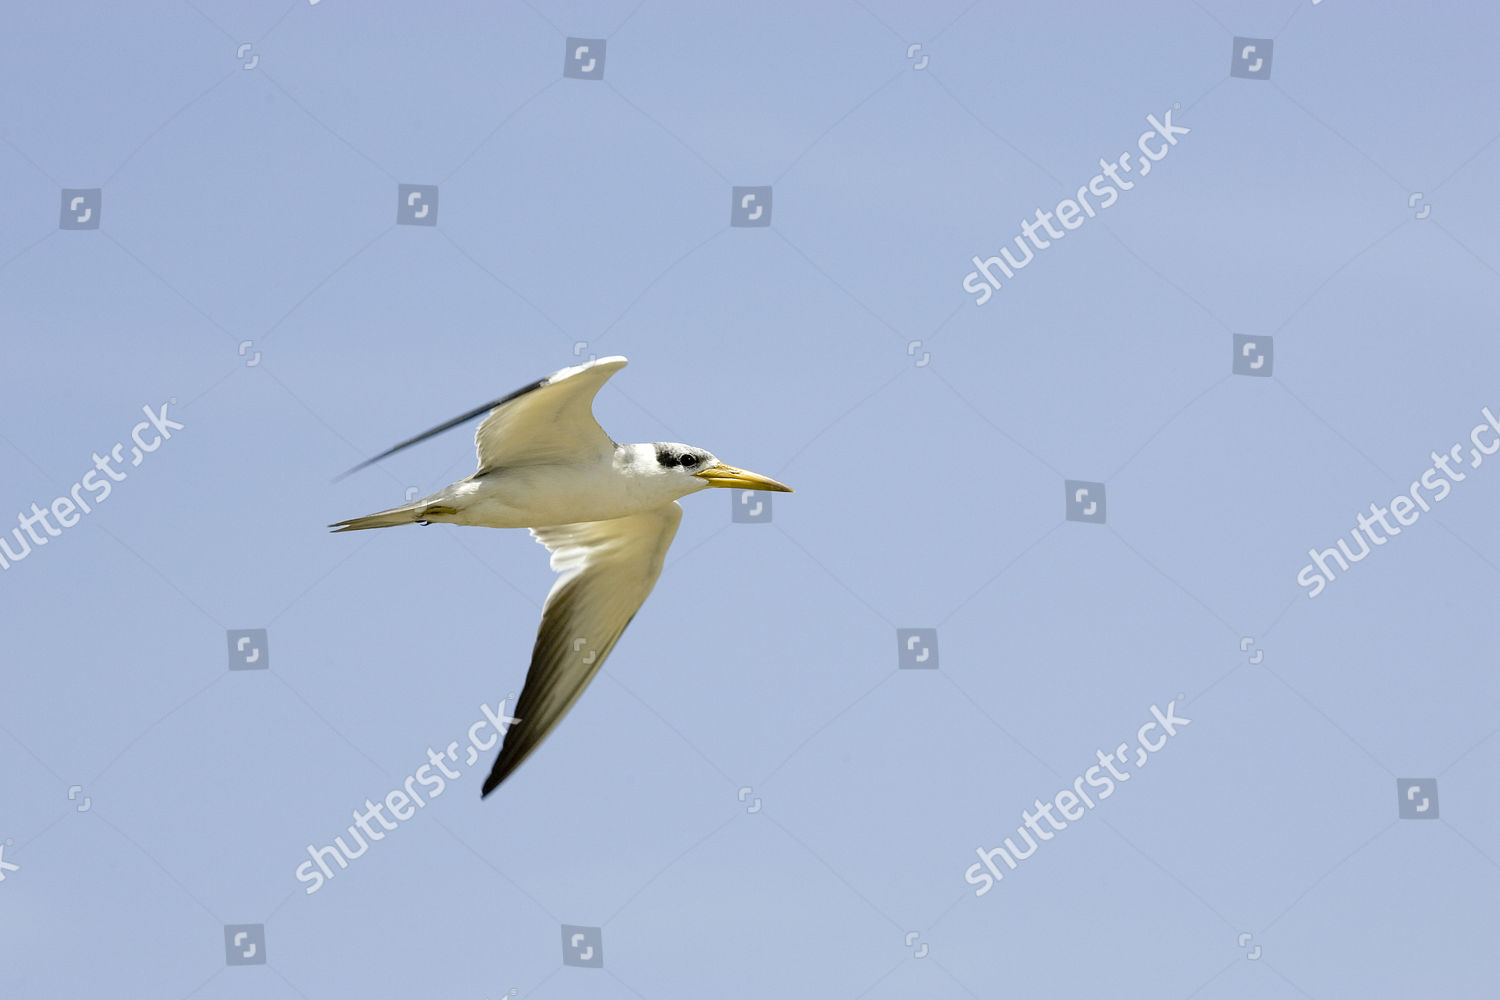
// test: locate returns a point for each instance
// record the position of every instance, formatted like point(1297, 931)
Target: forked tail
point(408, 513)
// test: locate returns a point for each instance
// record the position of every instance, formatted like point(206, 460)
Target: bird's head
point(688, 470)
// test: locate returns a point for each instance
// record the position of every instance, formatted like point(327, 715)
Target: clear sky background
point(755, 797)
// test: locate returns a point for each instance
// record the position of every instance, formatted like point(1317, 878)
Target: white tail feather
point(405, 514)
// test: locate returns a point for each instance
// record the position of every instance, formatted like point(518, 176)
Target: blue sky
point(755, 791)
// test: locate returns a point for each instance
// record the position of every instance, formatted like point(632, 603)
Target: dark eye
point(689, 461)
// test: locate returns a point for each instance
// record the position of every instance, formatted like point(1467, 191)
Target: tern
point(607, 512)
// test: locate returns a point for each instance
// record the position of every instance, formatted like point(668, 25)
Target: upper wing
point(551, 419)
point(607, 568)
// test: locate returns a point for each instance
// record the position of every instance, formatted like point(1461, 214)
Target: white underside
point(533, 496)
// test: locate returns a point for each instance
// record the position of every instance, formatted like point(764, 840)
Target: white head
point(676, 470)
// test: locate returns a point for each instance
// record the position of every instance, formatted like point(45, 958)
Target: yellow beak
point(729, 476)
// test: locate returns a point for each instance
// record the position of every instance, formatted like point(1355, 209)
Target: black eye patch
point(665, 458)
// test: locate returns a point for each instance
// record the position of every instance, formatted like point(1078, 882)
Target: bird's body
point(606, 511)
point(606, 486)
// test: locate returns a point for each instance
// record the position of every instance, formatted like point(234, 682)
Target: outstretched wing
point(607, 568)
point(550, 420)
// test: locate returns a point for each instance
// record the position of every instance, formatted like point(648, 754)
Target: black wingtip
point(449, 425)
point(349, 472)
point(503, 767)
point(494, 780)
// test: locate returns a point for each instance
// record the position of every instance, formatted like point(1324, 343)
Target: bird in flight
point(607, 512)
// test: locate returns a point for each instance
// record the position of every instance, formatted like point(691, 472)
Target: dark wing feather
point(607, 569)
point(556, 414)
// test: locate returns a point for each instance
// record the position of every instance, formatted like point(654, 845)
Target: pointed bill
point(729, 476)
